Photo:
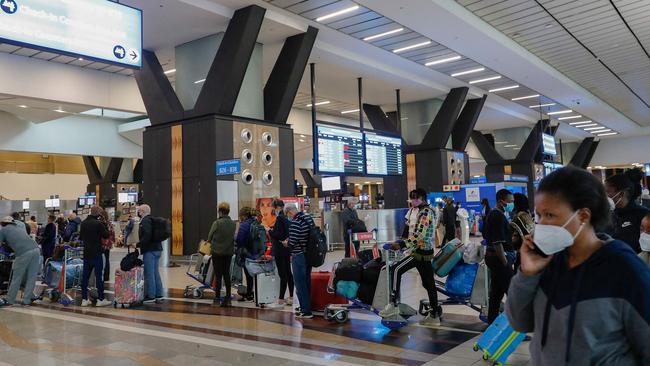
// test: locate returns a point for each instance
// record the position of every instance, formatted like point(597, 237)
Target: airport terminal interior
point(324, 182)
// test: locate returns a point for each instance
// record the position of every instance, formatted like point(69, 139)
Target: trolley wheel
point(187, 293)
point(440, 311)
point(114, 304)
point(198, 293)
point(485, 357)
point(424, 307)
point(341, 316)
point(475, 348)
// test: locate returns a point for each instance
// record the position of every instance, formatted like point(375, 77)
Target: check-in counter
point(389, 225)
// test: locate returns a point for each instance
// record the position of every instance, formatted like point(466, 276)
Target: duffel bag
point(347, 289)
point(366, 293)
point(370, 276)
point(348, 270)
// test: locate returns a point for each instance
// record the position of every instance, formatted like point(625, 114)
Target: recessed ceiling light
point(404, 118)
point(366, 182)
point(170, 71)
point(302, 136)
point(501, 142)
point(579, 123)
point(485, 79)
point(301, 140)
point(22, 106)
point(320, 103)
point(59, 110)
point(608, 134)
point(503, 88)
point(510, 146)
point(594, 128)
point(383, 34)
point(337, 13)
point(541, 105)
point(421, 44)
point(589, 125)
point(199, 81)
point(467, 72)
point(442, 60)
point(526, 97)
point(549, 25)
point(350, 111)
point(569, 117)
point(600, 131)
point(516, 148)
point(560, 112)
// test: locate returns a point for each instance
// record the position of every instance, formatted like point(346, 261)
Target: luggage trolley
point(58, 291)
point(367, 240)
point(195, 271)
point(340, 313)
point(6, 261)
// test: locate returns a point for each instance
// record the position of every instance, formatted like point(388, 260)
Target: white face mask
point(612, 204)
point(552, 239)
point(644, 240)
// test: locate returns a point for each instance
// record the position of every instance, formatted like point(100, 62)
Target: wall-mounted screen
point(25, 205)
point(98, 30)
point(339, 150)
point(48, 203)
point(90, 201)
point(56, 203)
point(82, 201)
point(548, 144)
point(122, 197)
point(331, 184)
point(133, 198)
point(383, 155)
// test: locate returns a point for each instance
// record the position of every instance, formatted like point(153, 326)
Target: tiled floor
point(193, 332)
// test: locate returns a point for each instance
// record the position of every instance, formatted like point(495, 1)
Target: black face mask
point(139, 215)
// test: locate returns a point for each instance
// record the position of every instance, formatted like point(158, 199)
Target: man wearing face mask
point(623, 190)
point(644, 240)
point(500, 254)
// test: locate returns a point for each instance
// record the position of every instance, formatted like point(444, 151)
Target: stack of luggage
point(357, 278)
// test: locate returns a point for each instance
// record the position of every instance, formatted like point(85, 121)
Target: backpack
point(130, 261)
point(316, 247)
point(160, 229)
point(257, 240)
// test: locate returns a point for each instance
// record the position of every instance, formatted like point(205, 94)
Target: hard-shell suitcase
point(267, 288)
point(207, 271)
point(499, 341)
point(319, 296)
point(461, 280)
point(447, 258)
point(129, 287)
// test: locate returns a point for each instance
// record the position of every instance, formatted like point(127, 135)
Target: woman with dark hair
point(242, 241)
point(585, 296)
point(522, 224)
point(282, 254)
point(107, 244)
point(623, 191)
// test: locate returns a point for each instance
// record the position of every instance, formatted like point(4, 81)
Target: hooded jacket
point(597, 313)
point(627, 221)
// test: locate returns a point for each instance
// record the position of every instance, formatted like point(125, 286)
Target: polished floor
point(183, 331)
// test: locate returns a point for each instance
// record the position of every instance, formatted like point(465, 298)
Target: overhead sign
point(98, 30)
point(228, 167)
point(548, 144)
point(451, 188)
point(515, 178)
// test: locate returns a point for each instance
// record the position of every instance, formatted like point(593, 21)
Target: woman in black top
point(282, 254)
point(49, 238)
point(623, 191)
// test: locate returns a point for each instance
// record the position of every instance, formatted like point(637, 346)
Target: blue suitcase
point(499, 341)
point(447, 258)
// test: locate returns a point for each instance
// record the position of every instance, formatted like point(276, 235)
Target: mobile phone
point(539, 251)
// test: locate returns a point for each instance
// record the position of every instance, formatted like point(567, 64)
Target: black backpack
point(257, 237)
point(160, 229)
point(316, 247)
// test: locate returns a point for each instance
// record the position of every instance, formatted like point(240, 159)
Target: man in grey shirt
point(26, 263)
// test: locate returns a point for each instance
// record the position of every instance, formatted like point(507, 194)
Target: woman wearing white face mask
point(623, 191)
point(585, 296)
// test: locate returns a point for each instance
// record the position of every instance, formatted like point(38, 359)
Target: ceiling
point(600, 44)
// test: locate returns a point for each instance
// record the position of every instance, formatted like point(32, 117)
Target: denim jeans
point(302, 279)
point(152, 281)
point(96, 264)
point(25, 270)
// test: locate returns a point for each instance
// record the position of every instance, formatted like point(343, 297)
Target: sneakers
point(86, 303)
point(102, 303)
point(149, 300)
point(246, 299)
point(159, 300)
point(430, 321)
point(304, 316)
point(389, 310)
point(289, 302)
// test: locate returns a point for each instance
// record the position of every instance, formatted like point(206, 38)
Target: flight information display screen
point(383, 155)
point(339, 150)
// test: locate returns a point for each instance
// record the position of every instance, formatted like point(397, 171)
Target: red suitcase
point(319, 296)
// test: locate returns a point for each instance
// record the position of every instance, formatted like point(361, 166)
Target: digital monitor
point(339, 150)
point(331, 184)
point(647, 170)
point(48, 203)
point(82, 201)
point(97, 30)
point(383, 155)
point(548, 144)
point(90, 201)
point(133, 198)
point(122, 197)
point(56, 202)
point(25, 205)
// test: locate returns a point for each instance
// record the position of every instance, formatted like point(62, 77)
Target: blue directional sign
point(228, 167)
point(8, 6)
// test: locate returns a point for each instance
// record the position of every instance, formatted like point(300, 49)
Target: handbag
point(205, 247)
point(131, 261)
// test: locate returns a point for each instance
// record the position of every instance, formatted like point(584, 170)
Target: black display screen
point(339, 150)
point(383, 155)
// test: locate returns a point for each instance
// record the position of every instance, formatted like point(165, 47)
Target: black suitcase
point(349, 270)
point(366, 293)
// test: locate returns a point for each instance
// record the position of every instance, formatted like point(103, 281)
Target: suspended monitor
point(82, 201)
point(25, 205)
point(122, 197)
point(383, 154)
point(338, 150)
point(548, 144)
point(331, 184)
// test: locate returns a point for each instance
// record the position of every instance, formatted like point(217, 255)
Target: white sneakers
point(430, 321)
point(389, 310)
point(99, 303)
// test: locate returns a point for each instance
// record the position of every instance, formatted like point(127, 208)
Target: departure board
point(339, 150)
point(383, 155)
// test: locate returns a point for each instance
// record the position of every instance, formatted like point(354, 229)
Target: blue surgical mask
point(509, 207)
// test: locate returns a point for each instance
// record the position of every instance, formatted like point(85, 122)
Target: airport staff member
point(26, 264)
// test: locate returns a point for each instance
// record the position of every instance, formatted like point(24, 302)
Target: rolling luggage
point(207, 271)
point(129, 287)
point(447, 258)
point(499, 341)
point(267, 288)
point(319, 296)
point(348, 270)
point(461, 280)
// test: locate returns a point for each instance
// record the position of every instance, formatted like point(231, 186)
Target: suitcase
point(447, 258)
point(129, 287)
point(267, 288)
point(461, 280)
point(320, 298)
point(348, 270)
point(366, 293)
point(207, 271)
point(499, 341)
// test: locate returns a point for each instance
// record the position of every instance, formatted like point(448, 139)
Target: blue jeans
point(96, 264)
point(302, 279)
point(25, 270)
point(152, 281)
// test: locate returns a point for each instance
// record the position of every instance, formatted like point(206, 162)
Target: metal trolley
point(194, 271)
point(61, 292)
point(6, 259)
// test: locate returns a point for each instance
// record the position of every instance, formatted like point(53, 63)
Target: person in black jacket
point(623, 191)
point(349, 218)
point(449, 220)
point(151, 252)
point(92, 233)
point(49, 238)
point(282, 254)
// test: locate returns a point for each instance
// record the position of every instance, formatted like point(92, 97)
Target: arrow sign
point(134, 55)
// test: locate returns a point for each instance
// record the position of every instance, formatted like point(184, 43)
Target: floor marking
point(187, 338)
